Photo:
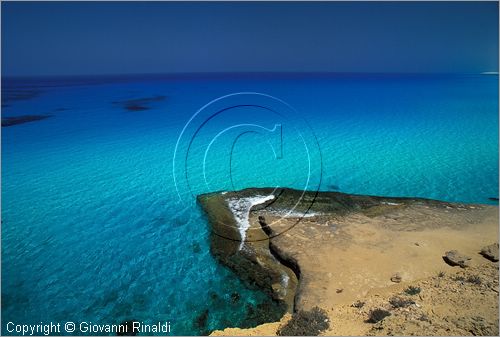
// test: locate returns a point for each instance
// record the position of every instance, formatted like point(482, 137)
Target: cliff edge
point(333, 250)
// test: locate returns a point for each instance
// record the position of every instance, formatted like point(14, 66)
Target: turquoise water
point(99, 222)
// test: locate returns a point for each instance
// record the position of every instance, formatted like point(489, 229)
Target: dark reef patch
point(235, 297)
point(267, 311)
point(19, 94)
point(201, 322)
point(139, 104)
point(213, 296)
point(333, 187)
point(196, 248)
point(11, 121)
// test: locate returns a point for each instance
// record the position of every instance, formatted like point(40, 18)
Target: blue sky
point(65, 38)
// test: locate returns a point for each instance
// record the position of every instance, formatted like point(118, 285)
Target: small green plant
point(377, 315)
point(411, 290)
point(358, 304)
point(400, 302)
point(458, 278)
point(474, 279)
point(305, 323)
point(441, 274)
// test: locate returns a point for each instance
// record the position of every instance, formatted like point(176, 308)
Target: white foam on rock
point(241, 211)
point(284, 280)
point(293, 214)
point(390, 203)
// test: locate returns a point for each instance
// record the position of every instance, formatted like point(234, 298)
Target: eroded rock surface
point(357, 243)
point(252, 259)
point(490, 252)
point(454, 258)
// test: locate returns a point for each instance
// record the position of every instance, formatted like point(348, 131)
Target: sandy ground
point(447, 304)
point(349, 258)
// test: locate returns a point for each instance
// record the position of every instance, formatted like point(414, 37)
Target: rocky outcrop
point(252, 259)
point(490, 252)
point(331, 241)
point(454, 258)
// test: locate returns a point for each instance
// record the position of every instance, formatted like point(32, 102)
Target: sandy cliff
point(347, 248)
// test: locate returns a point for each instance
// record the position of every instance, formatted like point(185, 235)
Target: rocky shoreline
point(252, 259)
point(329, 249)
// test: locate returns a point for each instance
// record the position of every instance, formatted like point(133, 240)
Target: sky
point(88, 38)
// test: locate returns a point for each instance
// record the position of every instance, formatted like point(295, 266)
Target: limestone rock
point(490, 252)
point(253, 262)
point(396, 278)
point(454, 258)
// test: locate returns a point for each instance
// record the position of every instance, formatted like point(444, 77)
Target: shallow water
point(95, 229)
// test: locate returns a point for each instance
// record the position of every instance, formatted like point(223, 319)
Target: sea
point(100, 174)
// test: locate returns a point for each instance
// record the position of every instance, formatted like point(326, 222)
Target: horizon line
point(244, 73)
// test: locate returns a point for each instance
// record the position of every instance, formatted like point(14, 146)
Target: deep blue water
point(95, 229)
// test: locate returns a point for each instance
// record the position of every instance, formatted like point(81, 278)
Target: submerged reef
point(19, 94)
point(139, 104)
point(11, 121)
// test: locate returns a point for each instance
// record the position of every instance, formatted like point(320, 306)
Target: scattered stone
point(339, 290)
point(396, 278)
point(454, 258)
point(490, 252)
point(358, 304)
point(424, 318)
